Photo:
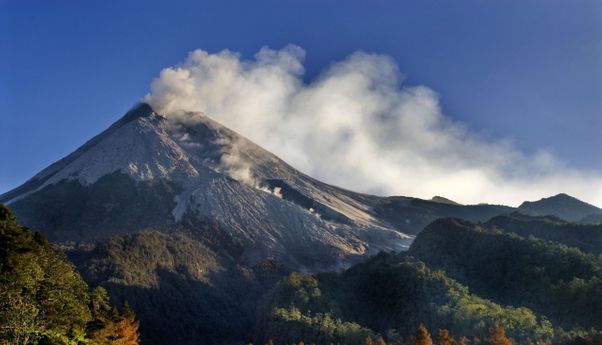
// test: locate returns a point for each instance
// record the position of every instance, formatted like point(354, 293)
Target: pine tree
point(497, 336)
point(422, 337)
point(443, 338)
point(462, 341)
point(127, 328)
point(116, 329)
point(380, 341)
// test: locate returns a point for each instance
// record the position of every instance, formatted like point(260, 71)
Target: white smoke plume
point(235, 166)
point(358, 126)
point(238, 167)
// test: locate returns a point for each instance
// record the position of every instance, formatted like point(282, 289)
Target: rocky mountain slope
point(148, 171)
point(563, 206)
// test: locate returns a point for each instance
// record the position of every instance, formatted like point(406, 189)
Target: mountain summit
point(147, 171)
point(561, 205)
point(150, 171)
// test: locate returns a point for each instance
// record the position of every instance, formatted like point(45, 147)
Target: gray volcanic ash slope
point(146, 171)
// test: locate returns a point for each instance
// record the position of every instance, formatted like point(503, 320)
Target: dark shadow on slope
point(115, 204)
point(411, 215)
point(186, 311)
point(587, 237)
point(182, 291)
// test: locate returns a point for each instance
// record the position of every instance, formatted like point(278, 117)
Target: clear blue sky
point(526, 70)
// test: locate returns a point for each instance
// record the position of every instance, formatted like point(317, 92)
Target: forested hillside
point(459, 277)
point(387, 296)
point(44, 300)
point(587, 237)
point(563, 283)
point(208, 297)
point(494, 284)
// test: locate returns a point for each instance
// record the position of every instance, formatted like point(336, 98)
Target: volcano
point(148, 171)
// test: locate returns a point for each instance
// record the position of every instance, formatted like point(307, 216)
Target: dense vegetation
point(207, 297)
point(555, 280)
point(43, 300)
point(588, 237)
point(534, 289)
point(386, 296)
point(496, 336)
point(488, 284)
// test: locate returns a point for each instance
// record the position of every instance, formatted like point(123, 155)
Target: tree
point(99, 302)
point(116, 329)
point(127, 328)
point(368, 341)
point(497, 336)
point(42, 297)
point(462, 341)
point(380, 341)
point(422, 337)
point(443, 338)
point(44, 300)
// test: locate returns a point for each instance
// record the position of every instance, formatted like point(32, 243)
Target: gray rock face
point(147, 171)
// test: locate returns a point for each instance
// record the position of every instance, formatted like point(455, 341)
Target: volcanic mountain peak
point(145, 146)
point(147, 170)
point(151, 171)
point(138, 145)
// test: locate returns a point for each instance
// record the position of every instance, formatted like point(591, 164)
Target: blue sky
point(529, 71)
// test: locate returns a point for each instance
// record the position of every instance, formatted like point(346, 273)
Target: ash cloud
point(357, 125)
